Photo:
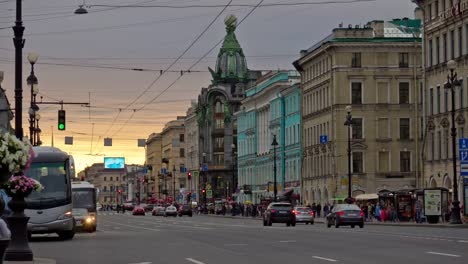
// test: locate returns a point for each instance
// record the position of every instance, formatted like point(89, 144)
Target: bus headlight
point(65, 216)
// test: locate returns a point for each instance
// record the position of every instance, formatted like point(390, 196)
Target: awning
point(367, 196)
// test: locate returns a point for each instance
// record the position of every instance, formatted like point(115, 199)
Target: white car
point(170, 211)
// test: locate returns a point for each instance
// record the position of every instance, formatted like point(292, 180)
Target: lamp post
point(349, 123)
point(33, 83)
point(173, 183)
point(38, 130)
point(452, 84)
point(204, 179)
point(234, 168)
point(18, 41)
point(275, 188)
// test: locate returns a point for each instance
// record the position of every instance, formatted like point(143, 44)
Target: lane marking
point(326, 259)
point(194, 261)
point(443, 254)
point(240, 244)
point(288, 241)
point(462, 241)
point(133, 226)
point(142, 263)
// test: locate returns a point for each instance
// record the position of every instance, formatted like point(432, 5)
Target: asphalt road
point(125, 239)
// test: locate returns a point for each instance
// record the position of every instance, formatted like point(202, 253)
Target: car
point(185, 210)
point(304, 215)
point(149, 207)
point(138, 210)
point(158, 211)
point(170, 211)
point(279, 212)
point(84, 220)
point(345, 215)
point(129, 206)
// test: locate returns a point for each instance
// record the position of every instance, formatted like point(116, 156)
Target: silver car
point(304, 215)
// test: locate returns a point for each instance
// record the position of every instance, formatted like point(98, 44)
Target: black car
point(345, 214)
point(149, 207)
point(279, 213)
point(185, 210)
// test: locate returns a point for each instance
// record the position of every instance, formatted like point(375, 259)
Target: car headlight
point(89, 220)
point(65, 216)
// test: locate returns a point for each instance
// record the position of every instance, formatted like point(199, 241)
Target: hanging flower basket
point(21, 186)
point(15, 156)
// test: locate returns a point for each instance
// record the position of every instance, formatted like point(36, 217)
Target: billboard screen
point(114, 162)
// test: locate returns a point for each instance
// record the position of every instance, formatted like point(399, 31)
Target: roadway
point(125, 239)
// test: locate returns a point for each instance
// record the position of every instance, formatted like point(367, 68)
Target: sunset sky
point(89, 58)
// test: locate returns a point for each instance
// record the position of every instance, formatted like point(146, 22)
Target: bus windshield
point(84, 198)
point(53, 178)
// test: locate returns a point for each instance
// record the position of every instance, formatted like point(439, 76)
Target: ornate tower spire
point(231, 66)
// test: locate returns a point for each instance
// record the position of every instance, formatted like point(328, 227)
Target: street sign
point(163, 171)
point(205, 168)
point(183, 169)
point(463, 156)
point(323, 139)
point(209, 194)
point(195, 173)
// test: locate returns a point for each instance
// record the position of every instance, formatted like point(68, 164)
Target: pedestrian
point(6, 199)
point(377, 212)
point(319, 209)
point(4, 231)
point(314, 209)
point(325, 210)
point(418, 210)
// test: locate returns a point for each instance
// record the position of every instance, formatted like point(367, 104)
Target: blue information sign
point(183, 169)
point(323, 139)
point(463, 156)
point(205, 168)
point(163, 171)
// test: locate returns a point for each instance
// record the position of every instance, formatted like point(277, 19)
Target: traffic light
point(120, 191)
point(189, 195)
point(61, 119)
point(189, 175)
point(203, 191)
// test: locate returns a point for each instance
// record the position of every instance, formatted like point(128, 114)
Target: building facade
point(173, 159)
point(216, 105)
point(272, 108)
point(154, 161)
point(6, 115)
point(192, 156)
point(107, 182)
point(445, 39)
point(375, 70)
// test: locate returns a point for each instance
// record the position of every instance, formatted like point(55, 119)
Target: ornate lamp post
point(234, 168)
point(275, 188)
point(452, 84)
point(33, 83)
point(349, 123)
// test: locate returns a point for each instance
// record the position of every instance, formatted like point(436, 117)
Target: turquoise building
point(271, 107)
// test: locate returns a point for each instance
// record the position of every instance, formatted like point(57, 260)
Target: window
point(437, 50)
point(404, 92)
point(405, 161)
point(181, 137)
point(460, 41)
point(436, 5)
point(432, 146)
point(461, 94)
point(105, 178)
point(357, 128)
point(404, 128)
point(431, 53)
point(111, 178)
point(383, 128)
point(452, 44)
point(404, 60)
point(117, 178)
point(357, 162)
point(219, 123)
point(218, 159)
point(438, 100)
point(383, 161)
point(105, 189)
point(445, 101)
point(356, 60)
point(429, 14)
point(439, 144)
point(431, 101)
point(182, 152)
point(219, 142)
point(356, 93)
point(444, 46)
point(466, 39)
point(219, 107)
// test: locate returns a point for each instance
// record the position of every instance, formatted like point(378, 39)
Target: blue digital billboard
point(114, 162)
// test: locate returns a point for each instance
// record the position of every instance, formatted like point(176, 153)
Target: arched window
point(219, 107)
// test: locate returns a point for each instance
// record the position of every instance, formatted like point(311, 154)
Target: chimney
point(378, 27)
point(418, 13)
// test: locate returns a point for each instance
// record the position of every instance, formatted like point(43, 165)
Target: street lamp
point(452, 84)
point(204, 179)
point(33, 83)
point(234, 168)
point(81, 10)
point(38, 130)
point(275, 188)
point(349, 123)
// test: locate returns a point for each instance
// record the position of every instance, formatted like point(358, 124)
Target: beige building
point(107, 183)
point(154, 161)
point(445, 38)
point(373, 69)
point(192, 148)
point(173, 151)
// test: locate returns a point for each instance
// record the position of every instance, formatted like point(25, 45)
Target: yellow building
point(373, 69)
point(154, 161)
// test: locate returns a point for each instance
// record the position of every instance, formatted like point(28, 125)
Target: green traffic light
point(61, 126)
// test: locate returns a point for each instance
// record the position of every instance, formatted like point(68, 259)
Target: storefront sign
point(432, 202)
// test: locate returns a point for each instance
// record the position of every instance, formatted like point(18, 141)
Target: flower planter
point(3, 246)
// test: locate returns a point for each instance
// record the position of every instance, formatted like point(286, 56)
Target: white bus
point(50, 211)
point(84, 204)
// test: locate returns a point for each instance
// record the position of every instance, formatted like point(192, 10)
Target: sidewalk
point(35, 261)
point(321, 220)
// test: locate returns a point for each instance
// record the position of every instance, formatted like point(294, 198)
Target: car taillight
point(311, 213)
point(295, 212)
point(273, 210)
point(361, 213)
point(340, 213)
